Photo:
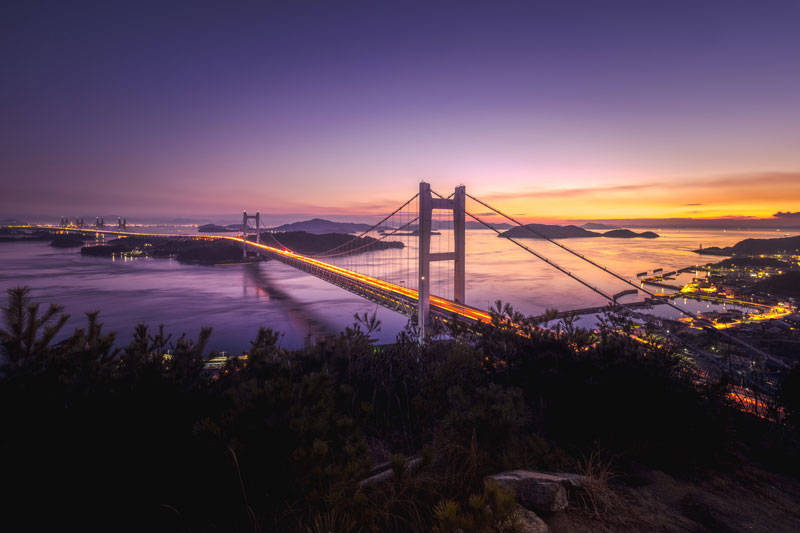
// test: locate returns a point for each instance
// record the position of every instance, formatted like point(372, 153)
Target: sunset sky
point(552, 110)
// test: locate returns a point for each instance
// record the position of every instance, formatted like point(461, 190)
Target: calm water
point(237, 299)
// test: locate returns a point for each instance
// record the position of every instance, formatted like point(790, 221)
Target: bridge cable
point(374, 241)
point(543, 258)
point(387, 217)
point(581, 256)
point(618, 276)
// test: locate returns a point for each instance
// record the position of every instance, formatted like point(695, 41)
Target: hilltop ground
point(749, 500)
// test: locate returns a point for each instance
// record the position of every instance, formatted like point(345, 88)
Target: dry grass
point(331, 522)
point(596, 497)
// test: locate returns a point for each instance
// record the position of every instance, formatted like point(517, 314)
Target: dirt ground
point(749, 500)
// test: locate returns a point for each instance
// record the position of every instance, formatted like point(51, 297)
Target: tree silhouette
point(27, 335)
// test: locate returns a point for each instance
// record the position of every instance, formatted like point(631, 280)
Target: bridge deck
point(390, 295)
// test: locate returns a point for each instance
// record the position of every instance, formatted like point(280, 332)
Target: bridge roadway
point(390, 295)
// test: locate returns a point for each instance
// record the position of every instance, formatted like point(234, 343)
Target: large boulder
point(531, 523)
point(538, 490)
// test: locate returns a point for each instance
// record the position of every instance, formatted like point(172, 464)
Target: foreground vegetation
point(128, 438)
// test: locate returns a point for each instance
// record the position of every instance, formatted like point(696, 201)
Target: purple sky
point(646, 109)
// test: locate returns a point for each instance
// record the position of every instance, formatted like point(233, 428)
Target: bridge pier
point(424, 281)
point(426, 206)
point(246, 229)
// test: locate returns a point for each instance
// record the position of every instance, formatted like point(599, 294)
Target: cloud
point(787, 214)
point(755, 193)
point(557, 193)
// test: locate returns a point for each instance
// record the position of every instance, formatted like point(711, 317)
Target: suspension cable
point(581, 256)
point(357, 237)
point(609, 271)
point(385, 235)
point(543, 258)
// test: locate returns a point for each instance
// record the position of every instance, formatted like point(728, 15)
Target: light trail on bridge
point(442, 305)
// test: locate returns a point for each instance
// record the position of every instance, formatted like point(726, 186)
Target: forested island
point(552, 231)
point(216, 228)
point(205, 251)
point(320, 225)
point(313, 243)
point(184, 249)
point(315, 225)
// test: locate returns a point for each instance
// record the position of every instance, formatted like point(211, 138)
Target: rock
point(570, 481)
point(384, 472)
point(531, 523)
point(538, 490)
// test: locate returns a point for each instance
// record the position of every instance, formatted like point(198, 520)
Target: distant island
point(70, 241)
point(474, 224)
point(19, 235)
point(320, 225)
point(216, 228)
point(184, 249)
point(552, 231)
point(211, 252)
point(597, 225)
point(782, 245)
point(628, 234)
point(313, 243)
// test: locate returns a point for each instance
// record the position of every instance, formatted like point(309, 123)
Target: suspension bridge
point(393, 262)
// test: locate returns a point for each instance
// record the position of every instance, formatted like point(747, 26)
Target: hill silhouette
point(320, 225)
point(571, 231)
point(785, 245)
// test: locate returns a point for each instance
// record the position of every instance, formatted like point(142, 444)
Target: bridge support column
point(426, 206)
point(246, 230)
point(459, 246)
point(424, 281)
point(244, 234)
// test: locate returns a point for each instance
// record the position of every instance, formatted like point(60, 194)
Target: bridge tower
point(246, 230)
point(427, 204)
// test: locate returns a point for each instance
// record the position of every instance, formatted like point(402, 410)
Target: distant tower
point(246, 229)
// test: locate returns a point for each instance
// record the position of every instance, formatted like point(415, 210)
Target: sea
point(235, 300)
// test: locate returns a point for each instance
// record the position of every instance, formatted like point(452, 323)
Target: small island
point(184, 249)
point(205, 251)
point(313, 243)
point(628, 234)
point(598, 225)
point(216, 228)
point(70, 241)
point(322, 226)
point(552, 231)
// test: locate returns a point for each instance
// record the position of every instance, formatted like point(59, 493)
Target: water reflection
point(237, 299)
